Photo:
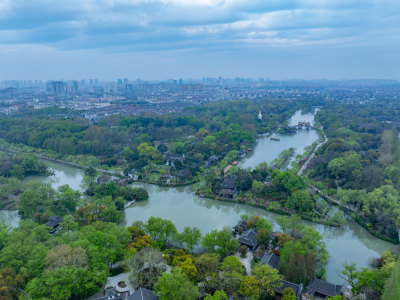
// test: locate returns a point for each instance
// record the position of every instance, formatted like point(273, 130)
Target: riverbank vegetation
point(361, 163)
point(379, 282)
point(277, 191)
point(20, 165)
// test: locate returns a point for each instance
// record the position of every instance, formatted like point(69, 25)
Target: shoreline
point(272, 210)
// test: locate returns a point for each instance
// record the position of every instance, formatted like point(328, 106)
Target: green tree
point(347, 166)
point(68, 224)
point(4, 232)
point(146, 151)
point(10, 284)
point(41, 233)
point(337, 297)
point(312, 239)
point(349, 273)
point(145, 267)
point(243, 250)
point(161, 230)
point(300, 201)
point(291, 225)
point(190, 237)
point(64, 283)
point(90, 171)
point(297, 262)
point(207, 264)
point(222, 242)
point(67, 197)
point(232, 264)
point(261, 223)
point(36, 194)
point(250, 288)
point(230, 281)
point(268, 280)
point(107, 241)
point(257, 188)
point(175, 285)
point(66, 256)
point(263, 236)
point(288, 294)
point(218, 295)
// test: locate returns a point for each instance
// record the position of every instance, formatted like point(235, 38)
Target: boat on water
point(274, 139)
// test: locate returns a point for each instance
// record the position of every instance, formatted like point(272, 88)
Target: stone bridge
point(301, 125)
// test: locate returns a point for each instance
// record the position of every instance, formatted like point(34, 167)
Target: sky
point(161, 39)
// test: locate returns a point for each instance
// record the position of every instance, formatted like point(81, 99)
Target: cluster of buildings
point(96, 99)
point(317, 288)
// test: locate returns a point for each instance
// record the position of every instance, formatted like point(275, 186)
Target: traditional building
point(242, 224)
point(249, 239)
point(297, 289)
point(142, 294)
point(270, 259)
point(212, 160)
point(54, 223)
point(322, 289)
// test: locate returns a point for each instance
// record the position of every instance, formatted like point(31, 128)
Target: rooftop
point(322, 287)
point(271, 259)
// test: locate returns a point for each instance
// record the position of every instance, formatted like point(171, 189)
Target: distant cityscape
point(95, 99)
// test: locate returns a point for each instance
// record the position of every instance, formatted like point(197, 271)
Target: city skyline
point(160, 39)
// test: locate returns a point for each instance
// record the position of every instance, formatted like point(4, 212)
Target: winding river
point(350, 243)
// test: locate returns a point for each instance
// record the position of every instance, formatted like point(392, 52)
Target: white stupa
point(259, 115)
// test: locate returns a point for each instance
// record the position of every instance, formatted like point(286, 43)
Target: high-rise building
point(75, 86)
point(56, 87)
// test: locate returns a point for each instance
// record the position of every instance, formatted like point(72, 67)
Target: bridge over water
point(302, 125)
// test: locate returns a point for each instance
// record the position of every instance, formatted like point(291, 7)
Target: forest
point(360, 163)
point(145, 143)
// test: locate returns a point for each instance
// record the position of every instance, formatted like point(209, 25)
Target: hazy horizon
point(161, 39)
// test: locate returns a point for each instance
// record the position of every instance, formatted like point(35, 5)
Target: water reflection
point(267, 149)
point(62, 175)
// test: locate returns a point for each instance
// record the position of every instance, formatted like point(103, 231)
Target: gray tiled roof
point(54, 221)
point(242, 224)
point(297, 288)
point(142, 294)
point(249, 238)
point(271, 259)
point(323, 287)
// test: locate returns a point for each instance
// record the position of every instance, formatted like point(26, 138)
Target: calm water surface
point(347, 244)
point(267, 149)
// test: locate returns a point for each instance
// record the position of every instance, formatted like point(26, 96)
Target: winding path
point(332, 200)
point(305, 165)
point(315, 189)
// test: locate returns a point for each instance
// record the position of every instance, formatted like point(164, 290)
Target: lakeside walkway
point(307, 162)
point(332, 200)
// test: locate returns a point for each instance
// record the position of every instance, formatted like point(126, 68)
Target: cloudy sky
point(159, 39)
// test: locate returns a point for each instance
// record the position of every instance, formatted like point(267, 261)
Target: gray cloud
point(206, 26)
